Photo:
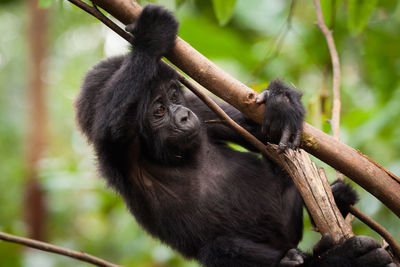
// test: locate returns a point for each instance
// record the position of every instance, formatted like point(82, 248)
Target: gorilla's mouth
point(184, 135)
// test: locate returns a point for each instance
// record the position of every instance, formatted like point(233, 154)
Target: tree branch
point(335, 67)
point(82, 256)
point(377, 228)
point(335, 121)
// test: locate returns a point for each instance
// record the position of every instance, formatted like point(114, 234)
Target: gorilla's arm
point(115, 95)
point(125, 96)
point(95, 79)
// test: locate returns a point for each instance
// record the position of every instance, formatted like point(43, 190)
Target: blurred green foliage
point(84, 214)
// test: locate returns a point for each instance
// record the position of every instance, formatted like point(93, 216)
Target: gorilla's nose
point(182, 115)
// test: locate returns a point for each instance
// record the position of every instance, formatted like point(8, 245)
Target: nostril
point(184, 119)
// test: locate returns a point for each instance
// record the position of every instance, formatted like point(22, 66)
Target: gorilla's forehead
point(166, 87)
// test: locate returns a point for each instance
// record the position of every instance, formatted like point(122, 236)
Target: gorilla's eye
point(174, 96)
point(160, 110)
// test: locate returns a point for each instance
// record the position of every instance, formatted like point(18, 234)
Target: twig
point(336, 69)
point(377, 228)
point(95, 12)
point(277, 42)
point(82, 256)
point(335, 121)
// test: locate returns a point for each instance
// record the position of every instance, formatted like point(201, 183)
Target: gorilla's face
point(171, 125)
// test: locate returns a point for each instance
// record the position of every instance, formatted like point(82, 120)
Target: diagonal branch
point(82, 256)
point(377, 228)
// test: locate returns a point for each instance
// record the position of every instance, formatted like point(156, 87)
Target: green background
point(253, 41)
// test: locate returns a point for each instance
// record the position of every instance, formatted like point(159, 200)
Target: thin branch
point(336, 69)
point(277, 42)
point(82, 256)
point(377, 228)
point(335, 121)
point(95, 12)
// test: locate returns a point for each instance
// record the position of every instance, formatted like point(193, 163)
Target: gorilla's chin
point(184, 142)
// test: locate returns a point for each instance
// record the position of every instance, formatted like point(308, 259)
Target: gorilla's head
point(171, 130)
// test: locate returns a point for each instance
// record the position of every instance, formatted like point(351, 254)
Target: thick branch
point(82, 256)
point(370, 175)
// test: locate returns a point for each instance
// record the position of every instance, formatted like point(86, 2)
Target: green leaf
point(45, 3)
point(329, 10)
point(223, 9)
point(359, 13)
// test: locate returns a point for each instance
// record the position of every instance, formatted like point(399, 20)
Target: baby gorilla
point(155, 145)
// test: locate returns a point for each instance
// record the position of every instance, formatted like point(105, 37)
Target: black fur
point(179, 179)
point(344, 196)
point(280, 114)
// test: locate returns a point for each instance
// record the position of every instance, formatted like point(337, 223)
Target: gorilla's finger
point(262, 97)
point(324, 244)
point(296, 140)
point(283, 143)
point(289, 263)
point(292, 258)
point(376, 257)
point(360, 245)
point(130, 27)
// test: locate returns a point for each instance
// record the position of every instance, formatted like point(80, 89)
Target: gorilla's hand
point(292, 258)
point(284, 114)
point(356, 251)
point(154, 31)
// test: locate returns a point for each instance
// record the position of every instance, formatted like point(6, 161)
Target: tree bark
point(367, 173)
point(34, 197)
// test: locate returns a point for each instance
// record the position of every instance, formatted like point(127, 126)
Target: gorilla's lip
point(185, 135)
point(192, 134)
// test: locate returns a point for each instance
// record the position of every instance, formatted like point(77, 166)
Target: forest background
point(49, 187)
